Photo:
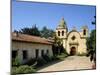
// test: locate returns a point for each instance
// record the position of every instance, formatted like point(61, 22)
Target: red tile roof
point(28, 38)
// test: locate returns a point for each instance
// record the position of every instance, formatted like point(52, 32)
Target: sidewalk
point(70, 63)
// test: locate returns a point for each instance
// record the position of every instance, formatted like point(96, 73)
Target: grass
point(83, 54)
point(62, 56)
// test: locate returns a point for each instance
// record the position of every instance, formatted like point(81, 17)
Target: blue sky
point(26, 14)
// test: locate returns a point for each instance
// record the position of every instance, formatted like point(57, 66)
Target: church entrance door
point(73, 51)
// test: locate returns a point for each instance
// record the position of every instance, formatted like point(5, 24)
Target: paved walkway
point(70, 63)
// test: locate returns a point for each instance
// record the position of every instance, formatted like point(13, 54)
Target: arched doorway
point(72, 51)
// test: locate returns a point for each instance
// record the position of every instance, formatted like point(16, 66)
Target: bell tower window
point(58, 33)
point(84, 32)
point(62, 33)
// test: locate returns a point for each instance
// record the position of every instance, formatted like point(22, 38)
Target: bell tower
point(85, 31)
point(61, 31)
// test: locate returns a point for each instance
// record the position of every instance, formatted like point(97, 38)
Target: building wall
point(79, 43)
point(65, 31)
point(31, 49)
point(63, 37)
point(64, 43)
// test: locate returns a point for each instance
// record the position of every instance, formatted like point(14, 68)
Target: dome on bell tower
point(62, 24)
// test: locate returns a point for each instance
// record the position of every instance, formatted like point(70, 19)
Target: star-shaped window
point(73, 37)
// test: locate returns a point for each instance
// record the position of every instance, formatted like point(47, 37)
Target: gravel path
point(70, 63)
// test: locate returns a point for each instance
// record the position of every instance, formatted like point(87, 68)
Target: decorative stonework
point(73, 37)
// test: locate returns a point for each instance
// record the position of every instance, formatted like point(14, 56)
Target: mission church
point(26, 46)
point(73, 41)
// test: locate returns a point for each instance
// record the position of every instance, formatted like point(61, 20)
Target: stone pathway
point(70, 63)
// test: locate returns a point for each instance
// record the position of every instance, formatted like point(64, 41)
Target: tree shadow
point(49, 64)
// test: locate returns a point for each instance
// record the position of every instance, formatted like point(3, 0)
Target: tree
point(45, 32)
point(30, 31)
point(94, 22)
point(58, 46)
point(91, 43)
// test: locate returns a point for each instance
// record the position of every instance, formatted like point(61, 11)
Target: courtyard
point(69, 63)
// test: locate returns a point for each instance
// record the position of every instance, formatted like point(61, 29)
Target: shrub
point(23, 69)
point(54, 58)
point(40, 62)
point(47, 58)
point(61, 57)
point(13, 71)
point(30, 62)
point(16, 62)
point(82, 54)
point(64, 54)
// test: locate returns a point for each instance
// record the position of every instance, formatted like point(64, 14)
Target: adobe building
point(73, 41)
point(27, 47)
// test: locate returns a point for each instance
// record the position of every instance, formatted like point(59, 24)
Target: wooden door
point(73, 51)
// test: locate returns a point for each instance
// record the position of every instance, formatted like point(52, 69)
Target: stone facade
point(73, 41)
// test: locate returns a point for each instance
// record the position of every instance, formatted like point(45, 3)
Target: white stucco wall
point(81, 47)
point(65, 32)
point(64, 43)
point(31, 48)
